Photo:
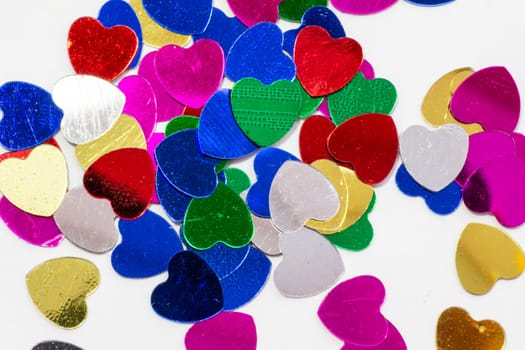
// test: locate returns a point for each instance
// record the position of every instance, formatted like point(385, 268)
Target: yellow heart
point(36, 184)
point(485, 254)
point(126, 133)
point(456, 330)
point(359, 197)
point(435, 107)
point(59, 288)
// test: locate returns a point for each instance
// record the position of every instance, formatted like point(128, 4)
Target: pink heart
point(360, 7)
point(489, 97)
point(191, 75)
point(393, 341)
point(167, 106)
point(153, 142)
point(226, 331)
point(351, 311)
point(141, 103)
point(251, 12)
point(37, 230)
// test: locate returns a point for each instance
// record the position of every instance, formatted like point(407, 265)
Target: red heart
point(96, 50)
point(325, 65)
point(369, 142)
point(25, 153)
point(126, 178)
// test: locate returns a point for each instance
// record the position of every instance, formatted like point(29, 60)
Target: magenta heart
point(251, 12)
point(351, 311)
point(519, 140)
point(393, 341)
point(141, 103)
point(191, 75)
point(153, 142)
point(167, 106)
point(37, 230)
point(226, 331)
point(489, 97)
point(360, 7)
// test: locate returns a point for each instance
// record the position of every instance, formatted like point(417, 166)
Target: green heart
point(359, 235)
point(265, 113)
point(293, 10)
point(182, 122)
point(222, 217)
point(237, 180)
point(361, 96)
point(310, 103)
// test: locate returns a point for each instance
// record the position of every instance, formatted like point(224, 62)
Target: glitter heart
point(96, 50)
point(180, 16)
point(251, 12)
point(341, 60)
point(293, 10)
point(37, 184)
point(358, 7)
point(55, 345)
point(59, 288)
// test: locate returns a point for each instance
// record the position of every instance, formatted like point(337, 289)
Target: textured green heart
point(293, 10)
point(265, 113)
point(310, 103)
point(237, 180)
point(182, 122)
point(362, 96)
point(222, 217)
point(359, 235)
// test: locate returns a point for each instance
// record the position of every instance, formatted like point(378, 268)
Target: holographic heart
point(393, 341)
point(351, 311)
point(29, 116)
point(55, 345)
point(86, 221)
point(293, 10)
point(126, 178)
point(191, 75)
point(310, 265)
point(141, 102)
point(434, 157)
point(251, 52)
point(489, 97)
point(192, 291)
point(369, 143)
point(252, 12)
point(226, 331)
point(180, 16)
point(300, 192)
point(59, 288)
point(96, 50)
point(341, 59)
point(84, 120)
point(357, 7)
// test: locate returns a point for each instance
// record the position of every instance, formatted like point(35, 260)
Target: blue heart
point(258, 53)
point(443, 202)
point(219, 135)
point(192, 291)
point(148, 244)
point(266, 164)
point(180, 16)
point(185, 166)
point(173, 201)
point(30, 116)
point(119, 12)
point(315, 16)
point(429, 2)
point(223, 29)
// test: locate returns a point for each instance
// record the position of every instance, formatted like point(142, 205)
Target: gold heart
point(59, 288)
point(456, 330)
point(485, 254)
point(359, 197)
point(126, 133)
point(36, 184)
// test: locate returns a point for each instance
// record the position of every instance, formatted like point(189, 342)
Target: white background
point(413, 249)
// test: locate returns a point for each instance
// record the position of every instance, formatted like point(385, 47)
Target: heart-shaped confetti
point(59, 288)
point(237, 180)
point(126, 178)
point(29, 116)
point(55, 345)
point(96, 50)
point(485, 254)
point(221, 217)
point(148, 243)
point(84, 120)
point(393, 341)
point(192, 291)
point(434, 157)
point(180, 16)
point(362, 96)
point(226, 331)
point(456, 330)
point(37, 184)
point(300, 192)
point(173, 201)
point(489, 97)
point(25, 153)
point(369, 142)
point(313, 137)
point(341, 60)
point(183, 122)
point(357, 7)
point(191, 75)
point(251, 12)
point(266, 236)
point(311, 264)
point(86, 221)
point(265, 113)
point(250, 53)
point(359, 197)
point(293, 10)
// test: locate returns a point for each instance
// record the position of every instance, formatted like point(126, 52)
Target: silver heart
point(265, 236)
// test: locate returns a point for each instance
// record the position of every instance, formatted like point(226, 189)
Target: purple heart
point(351, 311)
point(394, 341)
point(191, 75)
point(360, 7)
point(251, 12)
